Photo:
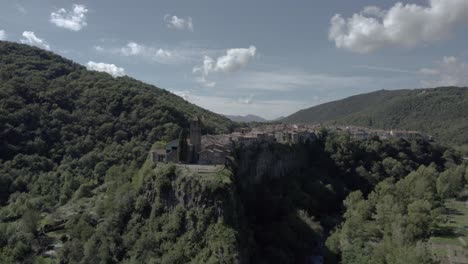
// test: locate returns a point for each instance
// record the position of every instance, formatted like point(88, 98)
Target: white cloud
point(186, 95)
point(3, 35)
point(30, 38)
point(373, 11)
point(234, 60)
point(184, 53)
point(159, 55)
point(206, 68)
point(132, 49)
point(74, 19)
point(163, 54)
point(178, 23)
point(404, 25)
point(112, 69)
point(450, 71)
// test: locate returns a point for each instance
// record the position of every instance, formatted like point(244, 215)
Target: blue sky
point(264, 57)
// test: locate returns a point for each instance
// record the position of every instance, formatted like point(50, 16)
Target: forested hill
point(54, 107)
point(54, 112)
point(76, 184)
point(441, 112)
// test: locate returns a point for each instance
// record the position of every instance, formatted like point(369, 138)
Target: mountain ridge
point(246, 118)
point(440, 112)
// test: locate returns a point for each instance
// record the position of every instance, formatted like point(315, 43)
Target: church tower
point(195, 137)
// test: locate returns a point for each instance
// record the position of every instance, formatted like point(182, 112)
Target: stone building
point(158, 155)
point(170, 153)
point(214, 149)
point(294, 136)
point(213, 156)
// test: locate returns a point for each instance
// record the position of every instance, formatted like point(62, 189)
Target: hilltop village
point(215, 149)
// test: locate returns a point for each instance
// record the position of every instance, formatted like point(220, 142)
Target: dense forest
point(76, 184)
point(440, 112)
point(64, 129)
point(294, 196)
point(57, 117)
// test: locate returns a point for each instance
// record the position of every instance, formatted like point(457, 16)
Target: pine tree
point(182, 150)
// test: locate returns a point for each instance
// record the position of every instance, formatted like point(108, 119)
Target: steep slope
point(67, 133)
point(48, 101)
point(441, 112)
point(56, 117)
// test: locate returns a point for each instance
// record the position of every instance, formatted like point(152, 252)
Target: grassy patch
point(454, 224)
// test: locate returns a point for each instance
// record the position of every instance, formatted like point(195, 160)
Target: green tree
point(30, 221)
point(183, 148)
point(451, 182)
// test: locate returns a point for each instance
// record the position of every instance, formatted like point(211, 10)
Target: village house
point(213, 149)
point(362, 133)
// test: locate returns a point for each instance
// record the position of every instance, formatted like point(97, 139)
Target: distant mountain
point(278, 118)
point(441, 112)
point(247, 118)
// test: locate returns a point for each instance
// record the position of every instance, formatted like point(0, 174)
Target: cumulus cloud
point(373, 11)
point(234, 60)
point(74, 19)
point(160, 55)
point(135, 49)
point(30, 38)
point(404, 25)
point(184, 94)
point(112, 69)
point(132, 49)
point(178, 23)
point(450, 71)
point(187, 95)
point(3, 35)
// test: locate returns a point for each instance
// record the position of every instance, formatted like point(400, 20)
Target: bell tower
point(195, 137)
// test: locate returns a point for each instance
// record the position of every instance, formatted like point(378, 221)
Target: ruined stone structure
point(194, 142)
